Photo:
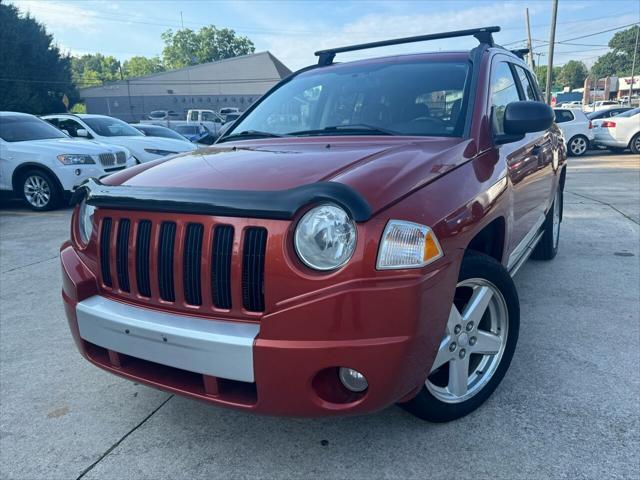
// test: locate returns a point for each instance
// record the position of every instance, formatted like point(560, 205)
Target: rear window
point(22, 128)
point(563, 116)
point(630, 113)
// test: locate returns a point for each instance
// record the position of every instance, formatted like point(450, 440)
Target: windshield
point(111, 127)
point(413, 98)
point(188, 129)
point(160, 132)
point(22, 128)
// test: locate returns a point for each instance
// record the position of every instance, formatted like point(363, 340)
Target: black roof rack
point(520, 52)
point(483, 35)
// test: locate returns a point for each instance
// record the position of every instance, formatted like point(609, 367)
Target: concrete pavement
point(568, 408)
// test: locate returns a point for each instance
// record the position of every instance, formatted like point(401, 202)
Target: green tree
point(34, 75)
point(139, 66)
point(541, 73)
point(572, 74)
point(186, 47)
point(618, 62)
point(95, 69)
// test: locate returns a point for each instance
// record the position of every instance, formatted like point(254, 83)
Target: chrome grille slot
point(107, 159)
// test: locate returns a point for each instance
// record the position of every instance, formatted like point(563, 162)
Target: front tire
point(478, 344)
point(40, 190)
point(578, 145)
point(634, 144)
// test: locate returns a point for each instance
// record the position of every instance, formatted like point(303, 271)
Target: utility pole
point(531, 64)
point(552, 39)
point(633, 65)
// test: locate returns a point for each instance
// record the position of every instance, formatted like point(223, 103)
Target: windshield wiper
point(353, 128)
point(251, 133)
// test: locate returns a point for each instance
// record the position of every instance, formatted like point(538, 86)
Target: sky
point(294, 30)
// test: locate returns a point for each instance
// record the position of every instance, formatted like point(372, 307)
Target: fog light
point(352, 379)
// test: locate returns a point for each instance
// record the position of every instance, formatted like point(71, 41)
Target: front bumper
point(243, 365)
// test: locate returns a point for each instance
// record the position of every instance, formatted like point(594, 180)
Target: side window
point(207, 117)
point(563, 116)
point(52, 121)
point(70, 126)
point(503, 92)
point(194, 116)
point(527, 86)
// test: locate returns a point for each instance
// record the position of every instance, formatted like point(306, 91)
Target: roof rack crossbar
point(483, 35)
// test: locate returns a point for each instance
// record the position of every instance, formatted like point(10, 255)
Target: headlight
point(85, 221)
point(75, 159)
point(325, 238)
point(407, 245)
point(162, 153)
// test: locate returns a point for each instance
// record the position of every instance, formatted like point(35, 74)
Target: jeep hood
point(381, 169)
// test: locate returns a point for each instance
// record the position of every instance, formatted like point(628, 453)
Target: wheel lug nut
point(452, 347)
point(469, 326)
point(462, 353)
point(457, 329)
point(472, 341)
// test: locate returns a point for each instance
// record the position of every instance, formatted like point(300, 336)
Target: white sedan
point(620, 132)
point(116, 132)
point(576, 129)
point(42, 165)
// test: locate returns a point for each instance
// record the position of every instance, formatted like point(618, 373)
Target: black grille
point(121, 157)
point(122, 254)
point(142, 258)
point(105, 236)
point(221, 266)
point(165, 261)
point(255, 243)
point(192, 257)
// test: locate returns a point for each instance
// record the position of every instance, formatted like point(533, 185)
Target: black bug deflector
point(276, 205)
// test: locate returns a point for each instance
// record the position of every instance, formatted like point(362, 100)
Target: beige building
point(233, 82)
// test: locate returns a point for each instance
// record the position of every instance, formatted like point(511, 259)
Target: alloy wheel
point(474, 342)
point(37, 191)
point(578, 146)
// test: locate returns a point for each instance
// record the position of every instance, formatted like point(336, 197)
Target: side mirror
point(525, 117)
point(81, 132)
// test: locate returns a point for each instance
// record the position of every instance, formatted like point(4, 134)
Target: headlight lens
point(75, 159)
point(325, 238)
point(162, 153)
point(85, 221)
point(407, 245)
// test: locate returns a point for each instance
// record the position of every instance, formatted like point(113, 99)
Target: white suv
point(576, 129)
point(44, 166)
point(116, 132)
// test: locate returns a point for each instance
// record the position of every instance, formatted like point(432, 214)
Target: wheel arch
point(490, 240)
point(25, 167)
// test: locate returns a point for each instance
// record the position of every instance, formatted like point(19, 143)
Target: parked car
point(573, 104)
point(232, 117)
point(116, 132)
point(609, 112)
point(576, 129)
point(359, 258)
point(43, 165)
point(209, 119)
point(604, 105)
point(193, 133)
point(164, 115)
point(158, 131)
point(620, 132)
point(227, 110)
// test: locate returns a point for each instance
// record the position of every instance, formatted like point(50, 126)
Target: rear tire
point(40, 190)
point(634, 144)
point(478, 345)
point(578, 145)
point(547, 247)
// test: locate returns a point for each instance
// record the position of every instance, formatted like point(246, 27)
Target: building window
point(199, 99)
point(184, 100)
point(208, 99)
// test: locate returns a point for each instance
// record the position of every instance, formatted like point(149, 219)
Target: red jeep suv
point(347, 244)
